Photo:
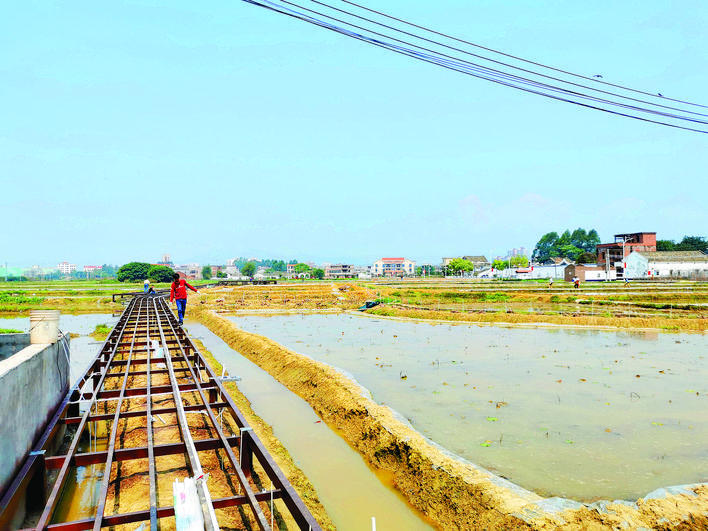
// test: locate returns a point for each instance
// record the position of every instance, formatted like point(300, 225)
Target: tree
point(586, 258)
point(318, 273)
point(248, 269)
point(459, 265)
point(546, 247)
point(301, 268)
point(567, 245)
point(693, 243)
point(221, 274)
point(206, 272)
point(501, 265)
point(665, 245)
point(133, 272)
point(160, 273)
point(519, 261)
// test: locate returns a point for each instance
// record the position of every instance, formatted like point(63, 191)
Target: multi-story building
point(340, 271)
point(393, 267)
point(190, 271)
point(65, 268)
point(623, 246)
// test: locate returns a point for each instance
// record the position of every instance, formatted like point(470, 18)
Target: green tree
point(501, 265)
point(160, 273)
point(221, 274)
point(693, 243)
point(586, 258)
point(301, 268)
point(519, 261)
point(665, 245)
point(248, 269)
point(459, 265)
point(318, 273)
point(206, 272)
point(546, 247)
point(133, 272)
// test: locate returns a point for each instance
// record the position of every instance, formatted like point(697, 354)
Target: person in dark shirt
point(178, 293)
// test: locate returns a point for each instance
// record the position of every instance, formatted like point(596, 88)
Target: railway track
point(153, 412)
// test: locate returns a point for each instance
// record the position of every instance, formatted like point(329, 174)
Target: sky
point(209, 130)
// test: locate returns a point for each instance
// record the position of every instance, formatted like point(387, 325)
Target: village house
point(393, 267)
point(667, 264)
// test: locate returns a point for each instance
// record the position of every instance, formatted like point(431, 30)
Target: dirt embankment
point(279, 453)
point(676, 324)
point(453, 493)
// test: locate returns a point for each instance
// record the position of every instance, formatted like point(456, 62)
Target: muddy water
point(584, 414)
point(83, 483)
point(84, 348)
point(350, 492)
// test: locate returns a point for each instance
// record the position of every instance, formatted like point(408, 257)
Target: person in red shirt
point(178, 293)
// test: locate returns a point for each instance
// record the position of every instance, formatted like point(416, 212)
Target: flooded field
point(83, 348)
point(324, 457)
point(584, 414)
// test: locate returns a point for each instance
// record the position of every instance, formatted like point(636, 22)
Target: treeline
point(689, 243)
point(137, 271)
point(577, 245)
point(270, 263)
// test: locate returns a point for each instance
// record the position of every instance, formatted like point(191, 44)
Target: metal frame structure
point(147, 344)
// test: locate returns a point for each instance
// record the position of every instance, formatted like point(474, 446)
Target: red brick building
point(623, 246)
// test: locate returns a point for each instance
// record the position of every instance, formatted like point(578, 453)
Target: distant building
point(393, 267)
point(666, 264)
point(65, 268)
point(216, 269)
point(340, 271)
point(92, 269)
point(166, 261)
point(623, 246)
point(189, 271)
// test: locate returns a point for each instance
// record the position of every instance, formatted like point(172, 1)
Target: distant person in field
point(146, 286)
point(550, 283)
point(576, 282)
point(178, 293)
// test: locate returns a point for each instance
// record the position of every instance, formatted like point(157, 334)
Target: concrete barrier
point(33, 383)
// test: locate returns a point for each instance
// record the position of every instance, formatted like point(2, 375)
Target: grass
point(695, 324)
point(101, 332)
point(12, 298)
point(10, 331)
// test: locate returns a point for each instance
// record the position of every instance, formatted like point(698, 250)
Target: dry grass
point(697, 324)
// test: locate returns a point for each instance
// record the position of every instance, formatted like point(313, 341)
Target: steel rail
point(103, 494)
point(154, 522)
point(210, 521)
point(251, 443)
point(258, 513)
point(61, 479)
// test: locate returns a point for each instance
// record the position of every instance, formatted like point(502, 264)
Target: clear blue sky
point(208, 130)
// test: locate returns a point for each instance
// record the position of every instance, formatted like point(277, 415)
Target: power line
point(593, 79)
point(480, 71)
point(506, 75)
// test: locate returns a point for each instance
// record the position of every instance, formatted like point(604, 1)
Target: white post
point(373, 523)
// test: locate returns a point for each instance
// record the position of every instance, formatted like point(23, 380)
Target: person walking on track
point(178, 293)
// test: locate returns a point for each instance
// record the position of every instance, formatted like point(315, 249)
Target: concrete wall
point(33, 383)
point(12, 343)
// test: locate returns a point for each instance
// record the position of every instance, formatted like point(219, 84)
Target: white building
point(666, 264)
point(339, 271)
point(393, 267)
point(537, 271)
point(65, 268)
